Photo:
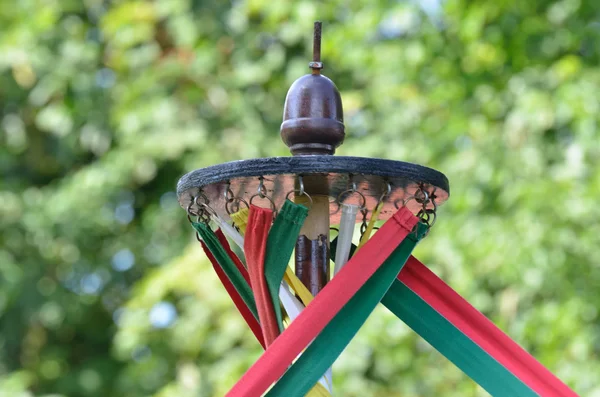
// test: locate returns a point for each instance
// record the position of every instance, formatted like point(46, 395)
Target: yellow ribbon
point(370, 226)
point(240, 218)
point(296, 285)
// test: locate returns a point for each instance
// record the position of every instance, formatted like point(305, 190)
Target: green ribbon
point(229, 267)
point(452, 343)
point(280, 245)
point(334, 338)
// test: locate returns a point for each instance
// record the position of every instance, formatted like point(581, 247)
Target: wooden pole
point(312, 247)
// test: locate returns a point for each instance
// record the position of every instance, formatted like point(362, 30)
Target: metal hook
point(353, 186)
point(364, 225)
point(353, 189)
point(300, 192)
point(228, 193)
point(301, 185)
point(190, 213)
point(262, 190)
point(386, 192)
point(432, 196)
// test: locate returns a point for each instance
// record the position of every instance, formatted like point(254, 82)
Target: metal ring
point(200, 194)
point(195, 202)
point(431, 212)
point(209, 209)
point(364, 199)
point(300, 193)
point(273, 207)
point(198, 214)
point(404, 201)
point(420, 200)
point(427, 217)
point(434, 219)
point(205, 213)
point(424, 216)
point(202, 214)
point(203, 217)
point(237, 200)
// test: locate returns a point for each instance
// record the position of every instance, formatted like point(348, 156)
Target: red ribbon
point(255, 244)
point(279, 355)
point(233, 293)
point(481, 330)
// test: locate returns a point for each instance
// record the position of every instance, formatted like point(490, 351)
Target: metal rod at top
point(316, 65)
point(317, 42)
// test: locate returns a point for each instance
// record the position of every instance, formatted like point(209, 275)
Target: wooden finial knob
point(313, 117)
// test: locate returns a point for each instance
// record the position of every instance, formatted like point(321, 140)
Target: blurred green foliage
point(104, 104)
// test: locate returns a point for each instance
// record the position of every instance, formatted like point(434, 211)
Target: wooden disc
point(321, 174)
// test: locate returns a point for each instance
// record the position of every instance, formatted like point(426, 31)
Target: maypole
point(277, 208)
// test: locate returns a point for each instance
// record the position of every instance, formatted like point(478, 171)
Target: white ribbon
point(344, 239)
